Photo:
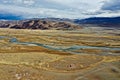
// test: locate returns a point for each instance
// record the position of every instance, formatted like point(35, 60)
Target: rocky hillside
point(39, 24)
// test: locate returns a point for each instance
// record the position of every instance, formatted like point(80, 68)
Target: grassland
point(57, 61)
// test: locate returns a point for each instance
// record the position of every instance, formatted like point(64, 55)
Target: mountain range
point(61, 23)
point(43, 24)
point(100, 21)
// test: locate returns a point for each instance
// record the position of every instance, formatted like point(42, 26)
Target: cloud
point(26, 12)
point(18, 2)
point(110, 8)
point(112, 5)
point(28, 2)
point(78, 4)
point(60, 8)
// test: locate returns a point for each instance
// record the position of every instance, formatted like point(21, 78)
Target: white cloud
point(38, 12)
point(58, 8)
point(28, 2)
point(79, 4)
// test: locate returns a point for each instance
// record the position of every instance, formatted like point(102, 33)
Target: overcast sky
point(59, 8)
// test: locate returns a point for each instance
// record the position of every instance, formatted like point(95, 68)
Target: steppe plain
point(86, 54)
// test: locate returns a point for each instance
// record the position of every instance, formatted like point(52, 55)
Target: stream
point(71, 48)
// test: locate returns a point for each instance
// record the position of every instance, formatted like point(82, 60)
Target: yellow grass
point(31, 62)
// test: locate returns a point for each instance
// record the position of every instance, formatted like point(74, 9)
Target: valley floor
point(86, 54)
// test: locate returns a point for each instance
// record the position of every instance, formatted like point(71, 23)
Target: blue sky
point(24, 9)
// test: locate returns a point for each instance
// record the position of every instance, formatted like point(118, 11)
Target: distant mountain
point(42, 24)
point(58, 19)
point(60, 24)
point(100, 21)
point(7, 16)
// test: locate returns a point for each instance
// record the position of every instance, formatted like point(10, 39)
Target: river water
point(70, 48)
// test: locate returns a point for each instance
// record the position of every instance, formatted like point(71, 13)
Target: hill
point(42, 24)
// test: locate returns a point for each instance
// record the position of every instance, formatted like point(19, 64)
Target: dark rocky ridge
point(39, 24)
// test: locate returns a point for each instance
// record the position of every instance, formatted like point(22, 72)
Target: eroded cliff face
point(39, 24)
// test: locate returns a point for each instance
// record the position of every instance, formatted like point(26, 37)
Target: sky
point(73, 9)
